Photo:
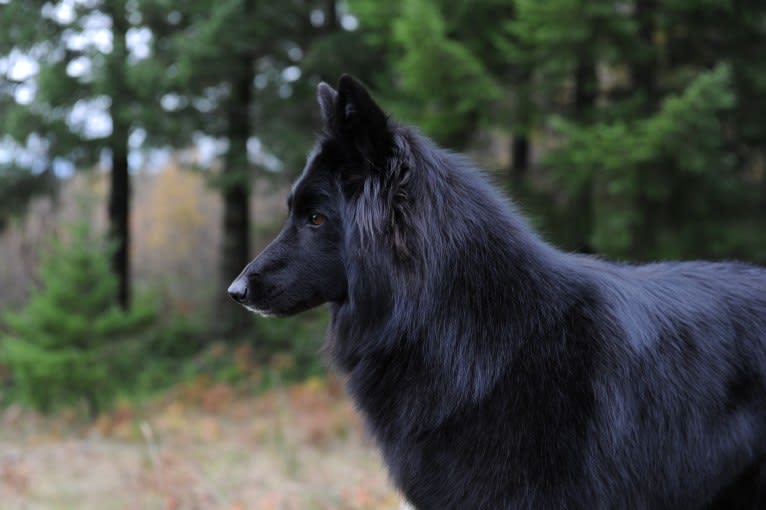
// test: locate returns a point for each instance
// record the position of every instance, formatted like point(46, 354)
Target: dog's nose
point(238, 290)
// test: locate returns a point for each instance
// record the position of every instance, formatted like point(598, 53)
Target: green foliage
point(297, 338)
point(179, 337)
point(31, 30)
point(644, 122)
point(686, 130)
point(657, 152)
point(274, 352)
point(554, 36)
point(669, 172)
point(72, 342)
point(440, 65)
point(430, 60)
point(17, 187)
point(169, 354)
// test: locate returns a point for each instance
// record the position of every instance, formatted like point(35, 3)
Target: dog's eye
point(317, 219)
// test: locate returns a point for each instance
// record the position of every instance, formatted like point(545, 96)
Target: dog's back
point(562, 381)
point(683, 383)
point(648, 392)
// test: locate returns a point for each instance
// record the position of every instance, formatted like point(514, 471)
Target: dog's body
point(497, 372)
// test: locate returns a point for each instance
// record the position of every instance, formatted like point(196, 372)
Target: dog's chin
point(278, 312)
point(263, 313)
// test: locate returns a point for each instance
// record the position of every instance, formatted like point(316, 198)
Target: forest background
point(146, 149)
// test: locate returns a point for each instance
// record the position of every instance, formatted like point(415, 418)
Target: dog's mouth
point(277, 300)
point(264, 305)
point(263, 313)
point(273, 309)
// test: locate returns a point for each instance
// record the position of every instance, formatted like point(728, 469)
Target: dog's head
point(304, 266)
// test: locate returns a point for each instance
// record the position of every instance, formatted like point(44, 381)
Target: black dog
point(497, 372)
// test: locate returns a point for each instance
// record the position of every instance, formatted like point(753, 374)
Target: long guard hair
point(495, 371)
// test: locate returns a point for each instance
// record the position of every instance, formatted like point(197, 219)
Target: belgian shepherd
point(495, 371)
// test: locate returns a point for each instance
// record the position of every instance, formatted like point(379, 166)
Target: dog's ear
point(326, 97)
point(359, 121)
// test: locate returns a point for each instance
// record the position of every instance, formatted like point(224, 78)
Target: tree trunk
point(119, 211)
point(585, 88)
point(644, 79)
point(331, 11)
point(119, 191)
point(644, 70)
point(585, 93)
point(236, 196)
point(519, 158)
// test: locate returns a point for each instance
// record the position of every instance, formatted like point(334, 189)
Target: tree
point(642, 161)
point(448, 69)
point(561, 43)
point(83, 95)
point(652, 160)
point(25, 171)
point(699, 35)
point(17, 187)
point(439, 73)
point(236, 64)
point(72, 341)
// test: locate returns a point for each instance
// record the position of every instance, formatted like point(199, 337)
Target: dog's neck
point(387, 328)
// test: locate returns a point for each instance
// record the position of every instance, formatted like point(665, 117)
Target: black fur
point(497, 372)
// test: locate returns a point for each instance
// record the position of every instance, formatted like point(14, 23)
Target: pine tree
point(449, 84)
point(86, 95)
point(674, 162)
point(658, 153)
point(72, 341)
point(235, 78)
point(448, 64)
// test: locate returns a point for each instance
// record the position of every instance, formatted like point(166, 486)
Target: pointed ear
point(361, 121)
point(326, 97)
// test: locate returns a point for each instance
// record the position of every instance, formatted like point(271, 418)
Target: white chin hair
point(262, 313)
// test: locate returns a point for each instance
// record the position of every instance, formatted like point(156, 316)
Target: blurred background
point(146, 149)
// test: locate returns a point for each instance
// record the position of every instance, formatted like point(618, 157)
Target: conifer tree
point(71, 80)
point(658, 153)
point(73, 342)
point(236, 79)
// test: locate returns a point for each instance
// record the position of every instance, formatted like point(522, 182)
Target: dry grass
point(202, 446)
